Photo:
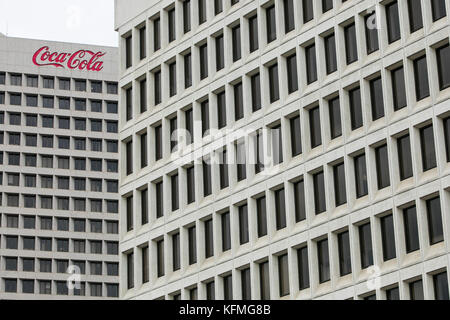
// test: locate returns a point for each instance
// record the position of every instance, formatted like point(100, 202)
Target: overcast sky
point(80, 21)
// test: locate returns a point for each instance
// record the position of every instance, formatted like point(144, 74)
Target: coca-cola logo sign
point(79, 60)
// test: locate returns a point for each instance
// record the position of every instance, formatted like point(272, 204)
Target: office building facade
point(284, 149)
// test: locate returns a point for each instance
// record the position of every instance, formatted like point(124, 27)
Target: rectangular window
point(443, 62)
point(192, 243)
point(201, 11)
point(319, 193)
point(129, 103)
point(144, 206)
point(129, 157)
point(271, 24)
point(243, 225)
point(159, 200)
point(274, 83)
point(388, 237)
point(236, 38)
point(428, 148)
point(144, 151)
point(330, 53)
point(264, 280)
point(130, 270)
point(440, 283)
point(261, 216)
point(145, 265)
point(411, 229)
point(246, 284)
point(434, 215)
point(221, 110)
point(173, 78)
point(345, 262)
point(351, 47)
point(224, 181)
point(335, 118)
point(190, 180)
point(277, 144)
point(175, 192)
point(372, 44)
point(220, 56)
point(283, 275)
point(238, 101)
point(291, 65)
point(382, 164)
point(303, 268)
point(323, 261)
point(143, 43)
point(173, 134)
point(128, 52)
point(404, 157)
point(393, 23)
point(157, 89)
point(308, 10)
point(416, 290)
point(203, 61)
point(289, 16)
point(438, 9)
point(355, 108)
point(256, 92)
point(299, 201)
point(143, 95)
point(340, 192)
point(280, 209)
point(171, 26)
point(421, 78)
point(241, 161)
point(209, 239)
point(130, 213)
point(207, 183)
point(218, 6)
point(186, 16)
point(398, 88)
point(376, 98)
point(360, 176)
point(415, 15)
point(226, 231)
point(160, 263)
point(158, 143)
point(187, 70)
point(315, 127)
point(176, 252)
point(156, 34)
point(311, 64)
point(365, 245)
point(253, 33)
point(189, 126)
point(296, 140)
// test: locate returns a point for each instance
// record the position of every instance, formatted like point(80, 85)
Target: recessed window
point(388, 237)
point(236, 39)
point(415, 15)
point(340, 192)
point(440, 283)
point(280, 209)
point(371, 31)
point(171, 24)
point(404, 157)
point(192, 245)
point(308, 10)
point(271, 24)
point(190, 180)
point(303, 268)
point(345, 264)
point(335, 118)
point(311, 66)
point(330, 53)
point(209, 238)
point(253, 33)
point(382, 165)
point(435, 227)
point(264, 276)
point(398, 88)
point(323, 261)
point(421, 78)
point(299, 201)
point(393, 23)
point(220, 56)
point(261, 216)
point(443, 62)
point(376, 98)
point(238, 101)
point(283, 275)
point(203, 62)
point(351, 47)
point(315, 127)
point(274, 83)
point(360, 176)
point(365, 245)
point(128, 53)
point(416, 290)
point(291, 65)
point(243, 225)
point(175, 192)
point(186, 16)
point(226, 231)
point(428, 148)
point(319, 193)
point(438, 9)
point(160, 265)
point(176, 261)
point(356, 115)
point(256, 92)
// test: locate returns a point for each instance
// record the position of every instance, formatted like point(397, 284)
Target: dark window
point(224, 181)
point(355, 108)
point(129, 103)
point(303, 268)
point(253, 33)
point(226, 231)
point(228, 286)
point(371, 33)
point(351, 47)
point(246, 284)
point(143, 95)
point(190, 180)
point(308, 10)
point(144, 207)
point(289, 16)
point(393, 24)
point(175, 192)
point(128, 52)
point(173, 78)
point(388, 237)
point(440, 282)
point(236, 35)
point(171, 27)
point(218, 6)
point(261, 216)
point(435, 227)
point(220, 56)
point(365, 245)
point(271, 24)
point(256, 92)
point(173, 134)
point(207, 183)
point(142, 42)
point(189, 125)
point(335, 118)
point(411, 229)
point(259, 151)
point(393, 294)
point(398, 88)
point(243, 225)
point(404, 157)
point(330, 53)
point(209, 239)
point(345, 263)
point(130, 213)
point(156, 34)
point(280, 209)
point(311, 66)
point(438, 9)
point(187, 70)
point(319, 193)
point(187, 16)
point(299, 201)
point(376, 98)
point(157, 89)
point(264, 280)
point(421, 78)
point(159, 199)
point(360, 176)
point(274, 83)
point(291, 64)
point(221, 110)
point(238, 101)
point(241, 161)
point(443, 62)
point(201, 11)
point(428, 148)
point(415, 15)
point(296, 140)
point(192, 242)
point(416, 290)
point(323, 261)
point(203, 61)
point(129, 155)
point(160, 265)
point(340, 192)
point(382, 164)
point(176, 252)
point(315, 127)
point(210, 291)
point(283, 275)
point(277, 145)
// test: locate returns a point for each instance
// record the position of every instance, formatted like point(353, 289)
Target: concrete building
point(58, 170)
point(333, 121)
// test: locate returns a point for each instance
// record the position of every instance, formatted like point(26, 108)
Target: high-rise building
point(58, 170)
point(284, 149)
